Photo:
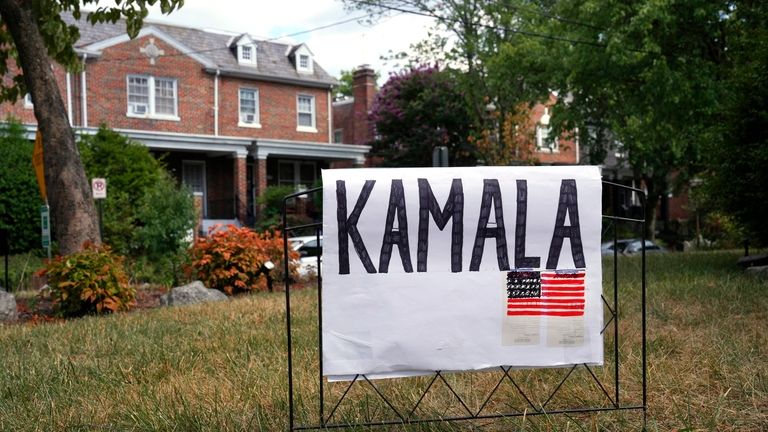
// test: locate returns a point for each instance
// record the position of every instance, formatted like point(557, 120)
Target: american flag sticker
point(557, 293)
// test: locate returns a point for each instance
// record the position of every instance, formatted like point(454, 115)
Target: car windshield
point(311, 248)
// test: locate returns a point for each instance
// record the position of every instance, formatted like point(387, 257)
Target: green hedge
point(19, 195)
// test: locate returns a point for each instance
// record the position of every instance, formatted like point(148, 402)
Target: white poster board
point(457, 269)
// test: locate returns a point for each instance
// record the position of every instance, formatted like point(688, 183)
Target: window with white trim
point(249, 107)
point(305, 108)
point(150, 96)
point(543, 140)
point(246, 54)
point(28, 101)
point(303, 60)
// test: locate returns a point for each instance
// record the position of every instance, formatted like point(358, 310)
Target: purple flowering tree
point(417, 110)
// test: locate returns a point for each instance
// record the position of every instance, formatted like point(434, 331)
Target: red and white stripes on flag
point(561, 295)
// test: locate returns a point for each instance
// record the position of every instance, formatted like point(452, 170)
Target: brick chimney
point(364, 91)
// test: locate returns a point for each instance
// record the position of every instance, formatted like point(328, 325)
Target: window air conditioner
point(139, 109)
point(250, 118)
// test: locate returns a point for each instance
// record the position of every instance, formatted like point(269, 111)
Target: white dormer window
point(245, 50)
point(303, 60)
point(246, 53)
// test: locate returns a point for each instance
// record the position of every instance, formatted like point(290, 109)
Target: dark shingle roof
point(273, 59)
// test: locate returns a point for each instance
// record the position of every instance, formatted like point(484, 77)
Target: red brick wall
point(108, 97)
point(261, 180)
point(277, 110)
point(567, 153)
point(343, 118)
point(27, 115)
point(352, 117)
point(364, 91)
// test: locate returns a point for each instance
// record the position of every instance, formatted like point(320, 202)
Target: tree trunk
point(653, 197)
point(69, 195)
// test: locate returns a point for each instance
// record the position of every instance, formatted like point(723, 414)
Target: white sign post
point(99, 188)
point(459, 269)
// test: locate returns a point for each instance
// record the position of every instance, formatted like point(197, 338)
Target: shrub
point(131, 172)
point(19, 196)
point(147, 216)
point(271, 206)
point(298, 211)
point(167, 218)
point(231, 259)
point(90, 281)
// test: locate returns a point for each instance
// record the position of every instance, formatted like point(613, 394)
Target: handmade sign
point(460, 269)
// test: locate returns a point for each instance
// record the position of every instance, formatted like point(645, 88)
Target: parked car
point(607, 247)
point(296, 242)
point(310, 252)
point(636, 247)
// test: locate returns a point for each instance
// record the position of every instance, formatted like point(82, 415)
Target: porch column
point(240, 187)
point(260, 174)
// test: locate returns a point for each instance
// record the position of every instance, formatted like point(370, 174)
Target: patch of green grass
point(223, 366)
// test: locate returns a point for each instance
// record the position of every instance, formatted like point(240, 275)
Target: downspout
point(330, 118)
point(216, 104)
point(83, 94)
point(69, 98)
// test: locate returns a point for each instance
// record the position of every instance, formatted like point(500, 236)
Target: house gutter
point(83, 93)
point(216, 104)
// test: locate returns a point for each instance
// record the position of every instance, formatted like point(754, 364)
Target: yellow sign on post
point(37, 162)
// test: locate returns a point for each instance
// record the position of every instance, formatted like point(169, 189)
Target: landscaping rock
point(758, 271)
point(8, 310)
point(193, 293)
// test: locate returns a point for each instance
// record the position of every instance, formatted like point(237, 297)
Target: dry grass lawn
point(223, 366)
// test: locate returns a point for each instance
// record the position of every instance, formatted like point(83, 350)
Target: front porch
point(228, 177)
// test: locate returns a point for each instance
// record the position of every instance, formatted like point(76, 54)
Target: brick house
point(230, 114)
point(350, 122)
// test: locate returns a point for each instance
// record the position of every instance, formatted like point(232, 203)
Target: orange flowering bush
point(90, 281)
point(231, 259)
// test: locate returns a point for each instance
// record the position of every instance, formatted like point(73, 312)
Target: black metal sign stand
point(327, 419)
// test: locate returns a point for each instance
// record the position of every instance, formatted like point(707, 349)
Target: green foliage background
point(19, 196)
point(735, 176)
point(130, 171)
